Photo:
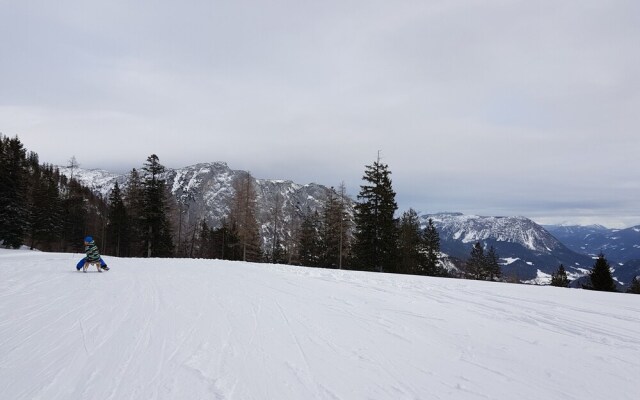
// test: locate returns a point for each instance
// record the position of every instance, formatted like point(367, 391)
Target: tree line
point(41, 208)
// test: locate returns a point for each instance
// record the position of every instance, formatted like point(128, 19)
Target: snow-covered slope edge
point(166, 329)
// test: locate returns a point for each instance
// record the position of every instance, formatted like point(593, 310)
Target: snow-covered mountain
point(526, 249)
point(210, 329)
point(618, 245)
point(98, 180)
point(204, 192)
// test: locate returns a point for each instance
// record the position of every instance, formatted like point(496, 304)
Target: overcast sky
point(485, 107)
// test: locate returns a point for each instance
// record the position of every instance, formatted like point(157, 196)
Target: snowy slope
point(202, 329)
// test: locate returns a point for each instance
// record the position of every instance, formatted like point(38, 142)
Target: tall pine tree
point(411, 245)
point(45, 209)
point(75, 214)
point(118, 225)
point(157, 230)
point(13, 192)
point(310, 250)
point(133, 196)
point(476, 267)
point(376, 232)
point(432, 248)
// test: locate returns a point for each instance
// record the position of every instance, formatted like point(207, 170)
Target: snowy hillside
point(203, 329)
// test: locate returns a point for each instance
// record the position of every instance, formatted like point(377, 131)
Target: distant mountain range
point(618, 245)
point(528, 251)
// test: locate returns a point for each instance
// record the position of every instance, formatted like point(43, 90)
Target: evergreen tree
point(376, 232)
point(157, 230)
point(74, 216)
point(205, 243)
point(225, 243)
point(13, 192)
point(635, 286)
point(45, 208)
point(41, 207)
point(432, 246)
point(559, 278)
point(476, 264)
point(601, 278)
point(118, 225)
point(310, 249)
point(134, 202)
point(492, 265)
point(411, 245)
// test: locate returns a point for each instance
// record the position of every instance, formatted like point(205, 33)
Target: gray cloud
point(486, 107)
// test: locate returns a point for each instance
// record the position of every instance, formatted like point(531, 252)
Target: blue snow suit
point(83, 260)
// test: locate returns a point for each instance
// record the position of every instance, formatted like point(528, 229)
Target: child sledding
point(92, 257)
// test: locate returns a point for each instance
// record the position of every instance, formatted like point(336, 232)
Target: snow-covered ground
point(203, 329)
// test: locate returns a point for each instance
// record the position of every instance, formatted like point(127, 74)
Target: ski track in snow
point(208, 329)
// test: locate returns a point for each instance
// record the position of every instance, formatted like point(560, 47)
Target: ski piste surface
point(208, 329)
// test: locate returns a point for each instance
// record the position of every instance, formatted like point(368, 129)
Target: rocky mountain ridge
point(527, 251)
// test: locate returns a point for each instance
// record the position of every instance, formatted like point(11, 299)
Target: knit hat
point(88, 239)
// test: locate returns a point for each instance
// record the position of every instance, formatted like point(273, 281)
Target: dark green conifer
point(45, 209)
point(412, 251)
point(13, 192)
point(601, 278)
point(432, 246)
point(310, 249)
point(157, 230)
point(476, 264)
point(75, 214)
point(376, 232)
point(133, 196)
point(118, 224)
